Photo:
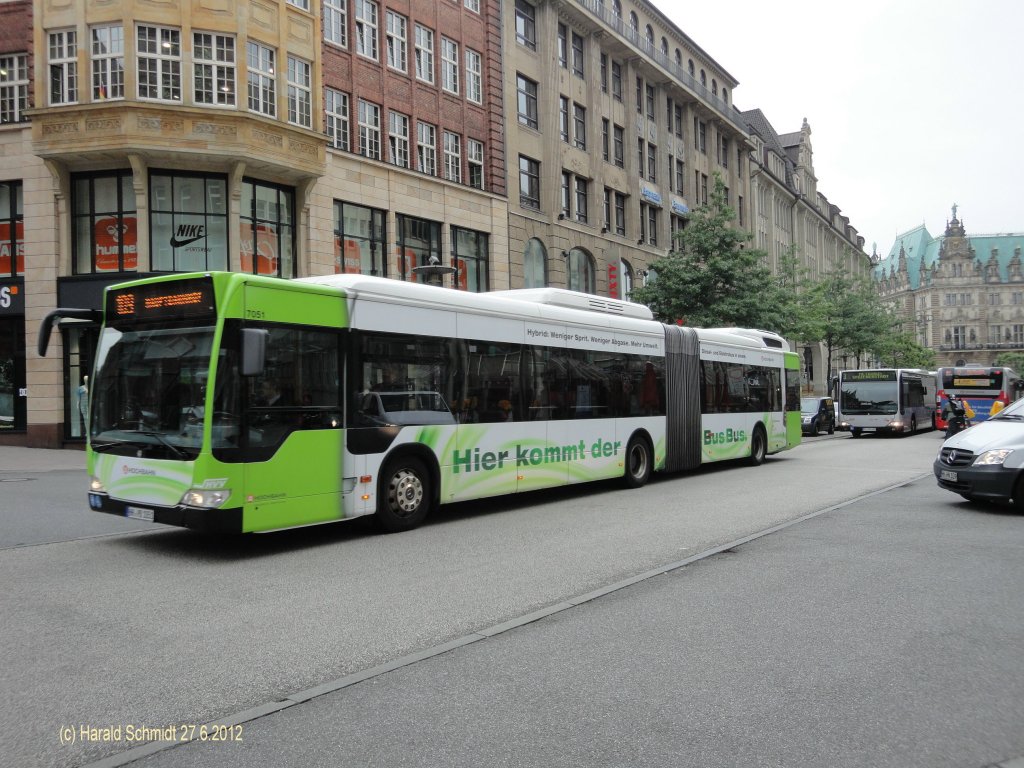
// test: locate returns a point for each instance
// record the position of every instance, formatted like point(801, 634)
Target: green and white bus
point(240, 403)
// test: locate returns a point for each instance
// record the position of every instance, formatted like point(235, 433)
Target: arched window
point(679, 58)
point(626, 280)
point(703, 79)
point(692, 70)
point(664, 46)
point(617, 9)
point(714, 87)
point(580, 271)
point(535, 264)
point(634, 22)
point(649, 34)
point(725, 95)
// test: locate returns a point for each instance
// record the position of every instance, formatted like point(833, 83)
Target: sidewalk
point(17, 459)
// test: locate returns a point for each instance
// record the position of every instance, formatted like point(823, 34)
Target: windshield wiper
point(163, 441)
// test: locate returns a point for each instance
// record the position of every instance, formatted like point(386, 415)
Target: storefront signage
point(678, 206)
point(12, 296)
point(650, 195)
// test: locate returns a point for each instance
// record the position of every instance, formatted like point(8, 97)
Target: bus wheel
point(854, 432)
point(758, 447)
point(638, 463)
point(405, 494)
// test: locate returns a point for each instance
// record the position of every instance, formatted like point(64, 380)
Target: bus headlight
point(201, 497)
point(996, 457)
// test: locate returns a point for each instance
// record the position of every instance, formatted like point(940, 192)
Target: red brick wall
point(16, 32)
point(345, 71)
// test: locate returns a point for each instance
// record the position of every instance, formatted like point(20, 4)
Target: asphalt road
point(886, 632)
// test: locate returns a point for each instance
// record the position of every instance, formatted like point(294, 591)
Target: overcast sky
point(913, 104)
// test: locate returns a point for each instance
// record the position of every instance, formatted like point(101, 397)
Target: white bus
point(242, 403)
point(893, 400)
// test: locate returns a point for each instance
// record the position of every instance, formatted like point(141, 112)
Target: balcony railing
point(616, 23)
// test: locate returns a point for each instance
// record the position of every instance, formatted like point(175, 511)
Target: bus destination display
point(869, 375)
point(161, 301)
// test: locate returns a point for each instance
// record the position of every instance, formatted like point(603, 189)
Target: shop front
point(13, 393)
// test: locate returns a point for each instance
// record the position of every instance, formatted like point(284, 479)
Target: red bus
point(981, 386)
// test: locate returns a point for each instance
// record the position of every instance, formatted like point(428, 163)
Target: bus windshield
point(864, 397)
point(149, 391)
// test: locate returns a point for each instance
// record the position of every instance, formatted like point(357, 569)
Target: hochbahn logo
point(187, 233)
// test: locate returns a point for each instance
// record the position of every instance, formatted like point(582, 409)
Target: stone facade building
point(790, 214)
point(960, 295)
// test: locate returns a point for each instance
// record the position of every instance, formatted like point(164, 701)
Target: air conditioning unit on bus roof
point(559, 297)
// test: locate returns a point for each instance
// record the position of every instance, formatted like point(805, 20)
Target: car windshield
point(809, 404)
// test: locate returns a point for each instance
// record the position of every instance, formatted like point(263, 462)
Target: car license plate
point(946, 474)
point(139, 513)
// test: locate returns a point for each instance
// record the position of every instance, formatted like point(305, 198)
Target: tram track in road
point(270, 707)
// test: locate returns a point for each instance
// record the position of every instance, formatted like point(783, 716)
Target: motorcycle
point(956, 420)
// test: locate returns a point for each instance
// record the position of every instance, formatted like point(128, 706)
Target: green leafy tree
point(710, 278)
point(850, 315)
point(900, 350)
point(1013, 360)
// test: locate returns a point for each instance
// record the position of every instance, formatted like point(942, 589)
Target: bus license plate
point(946, 474)
point(139, 513)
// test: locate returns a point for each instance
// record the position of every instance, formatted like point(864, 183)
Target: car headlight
point(993, 457)
point(201, 497)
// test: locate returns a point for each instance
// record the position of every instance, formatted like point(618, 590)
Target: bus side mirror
point(254, 350)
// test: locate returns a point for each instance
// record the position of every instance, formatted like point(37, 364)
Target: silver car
point(986, 462)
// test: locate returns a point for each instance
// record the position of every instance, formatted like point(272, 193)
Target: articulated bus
point(238, 403)
point(981, 386)
point(894, 400)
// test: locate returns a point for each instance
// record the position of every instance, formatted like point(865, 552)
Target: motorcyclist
point(956, 416)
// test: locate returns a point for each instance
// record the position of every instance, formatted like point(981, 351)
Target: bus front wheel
point(758, 447)
point(405, 494)
point(638, 463)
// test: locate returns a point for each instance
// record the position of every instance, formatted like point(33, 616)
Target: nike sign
point(176, 243)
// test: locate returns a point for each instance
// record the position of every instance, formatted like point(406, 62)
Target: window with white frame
point(335, 21)
point(336, 112)
point(159, 56)
point(426, 148)
point(303, 4)
point(397, 41)
point(473, 5)
point(300, 100)
point(475, 162)
point(449, 65)
point(369, 129)
point(13, 87)
point(63, 62)
point(213, 62)
point(474, 76)
point(398, 139)
point(262, 88)
point(424, 54)
point(366, 28)
point(106, 56)
point(453, 157)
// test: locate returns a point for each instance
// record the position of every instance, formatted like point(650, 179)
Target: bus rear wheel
point(638, 463)
point(404, 497)
point(758, 447)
